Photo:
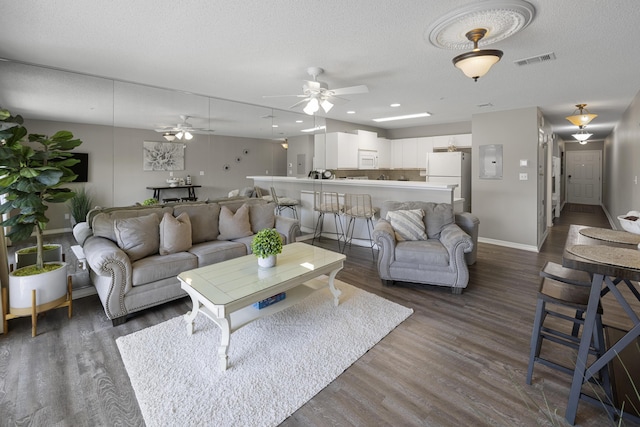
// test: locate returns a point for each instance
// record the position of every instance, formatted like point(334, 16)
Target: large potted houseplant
point(266, 245)
point(33, 169)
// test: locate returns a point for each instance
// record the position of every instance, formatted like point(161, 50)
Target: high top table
point(226, 291)
point(610, 262)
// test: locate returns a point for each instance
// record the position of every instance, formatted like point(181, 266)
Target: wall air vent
point(536, 59)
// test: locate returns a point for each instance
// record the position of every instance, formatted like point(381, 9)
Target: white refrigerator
point(452, 168)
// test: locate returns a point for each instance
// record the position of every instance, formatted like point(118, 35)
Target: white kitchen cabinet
point(341, 151)
point(367, 140)
point(410, 153)
point(319, 151)
point(460, 141)
point(425, 145)
point(396, 154)
point(384, 153)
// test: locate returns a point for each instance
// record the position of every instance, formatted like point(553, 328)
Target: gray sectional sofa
point(435, 248)
point(135, 253)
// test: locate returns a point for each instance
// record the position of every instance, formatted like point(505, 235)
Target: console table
point(191, 190)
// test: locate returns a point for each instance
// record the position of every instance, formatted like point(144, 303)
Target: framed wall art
point(162, 156)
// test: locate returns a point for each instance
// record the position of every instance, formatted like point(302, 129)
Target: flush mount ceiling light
point(479, 24)
point(582, 135)
point(581, 118)
point(478, 62)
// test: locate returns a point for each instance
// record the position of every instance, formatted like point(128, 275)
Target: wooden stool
point(564, 287)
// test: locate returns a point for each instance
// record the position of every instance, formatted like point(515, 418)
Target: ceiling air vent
point(536, 59)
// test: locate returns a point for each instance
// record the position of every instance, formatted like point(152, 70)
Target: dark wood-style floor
point(459, 360)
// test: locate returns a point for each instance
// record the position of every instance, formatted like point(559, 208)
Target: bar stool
point(358, 206)
point(327, 203)
point(283, 203)
point(568, 288)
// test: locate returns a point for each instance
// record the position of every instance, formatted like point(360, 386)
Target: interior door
point(584, 182)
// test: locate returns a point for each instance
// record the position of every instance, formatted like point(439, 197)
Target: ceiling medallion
point(500, 19)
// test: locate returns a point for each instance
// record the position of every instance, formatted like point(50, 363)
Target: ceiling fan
point(180, 131)
point(317, 94)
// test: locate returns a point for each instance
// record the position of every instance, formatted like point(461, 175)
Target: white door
point(584, 183)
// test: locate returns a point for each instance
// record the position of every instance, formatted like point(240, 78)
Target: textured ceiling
point(243, 50)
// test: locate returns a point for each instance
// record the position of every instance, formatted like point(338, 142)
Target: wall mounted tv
point(82, 168)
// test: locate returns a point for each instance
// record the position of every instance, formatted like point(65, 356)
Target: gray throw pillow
point(234, 226)
point(175, 233)
point(262, 216)
point(138, 237)
point(408, 224)
point(204, 220)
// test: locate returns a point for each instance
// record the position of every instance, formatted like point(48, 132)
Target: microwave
point(367, 159)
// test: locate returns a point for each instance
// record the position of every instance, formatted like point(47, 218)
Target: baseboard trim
point(84, 292)
point(508, 244)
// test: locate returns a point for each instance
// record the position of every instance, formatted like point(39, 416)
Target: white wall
point(622, 164)
point(507, 208)
point(116, 176)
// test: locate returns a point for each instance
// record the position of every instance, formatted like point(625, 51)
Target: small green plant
point(266, 242)
point(150, 202)
point(80, 205)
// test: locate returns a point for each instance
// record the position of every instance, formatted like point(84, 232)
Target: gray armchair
point(440, 259)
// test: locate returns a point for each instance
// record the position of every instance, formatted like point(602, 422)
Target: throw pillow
point(234, 226)
point(204, 220)
point(175, 233)
point(262, 216)
point(138, 237)
point(407, 224)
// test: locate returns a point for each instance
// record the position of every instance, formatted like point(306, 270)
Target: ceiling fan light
point(169, 136)
point(326, 105)
point(179, 135)
point(188, 136)
point(312, 106)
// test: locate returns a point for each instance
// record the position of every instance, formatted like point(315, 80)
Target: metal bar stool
point(568, 288)
point(358, 206)
point(327, 203)
point(283, 203)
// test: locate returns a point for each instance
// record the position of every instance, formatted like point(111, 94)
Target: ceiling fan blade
point(351, 90)
point(299, 103)
point(282, 96)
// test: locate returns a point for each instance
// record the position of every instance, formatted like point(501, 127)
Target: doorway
point(584, 181)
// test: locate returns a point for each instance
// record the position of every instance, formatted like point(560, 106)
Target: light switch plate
point(524, 163)
point(524, 176)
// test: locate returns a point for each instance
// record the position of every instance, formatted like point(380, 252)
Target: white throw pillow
point(408, 224)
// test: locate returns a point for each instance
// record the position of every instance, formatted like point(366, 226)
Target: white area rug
point(277, 363)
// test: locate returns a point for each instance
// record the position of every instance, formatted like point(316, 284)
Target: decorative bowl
point(629, 224)
point(173, 182)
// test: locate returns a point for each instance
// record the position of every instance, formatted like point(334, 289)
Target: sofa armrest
point(113, 269)
point(469, 224)
point(385, 238)
point(81, 232)
point(288, 227)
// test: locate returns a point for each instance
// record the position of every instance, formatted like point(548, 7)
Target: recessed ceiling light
point(299, 121)
point(351, 112)
point(408, 116)
point(394, 105)
point(274, 126)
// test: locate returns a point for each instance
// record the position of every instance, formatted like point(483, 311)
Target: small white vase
point(267, 262)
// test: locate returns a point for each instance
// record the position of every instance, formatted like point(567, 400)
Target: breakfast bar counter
point(380, 190)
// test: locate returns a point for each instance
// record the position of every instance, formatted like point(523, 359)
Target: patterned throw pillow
point(175, 233)
point(407, 224)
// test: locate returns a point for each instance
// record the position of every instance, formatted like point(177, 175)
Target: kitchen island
point(380, 190)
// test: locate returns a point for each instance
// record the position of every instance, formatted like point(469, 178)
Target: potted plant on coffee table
point(33, 169)
point(266, 245)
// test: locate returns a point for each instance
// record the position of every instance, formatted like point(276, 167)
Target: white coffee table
point(225, 292)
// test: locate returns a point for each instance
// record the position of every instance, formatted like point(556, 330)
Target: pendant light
point(582, 135)
point(477, 63)
point(581, 118)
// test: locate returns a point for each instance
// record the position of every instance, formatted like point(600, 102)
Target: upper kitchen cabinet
point(425, 145)
point(367, 140)
point(384, 153)
point(445, 141)
point(341, 151)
